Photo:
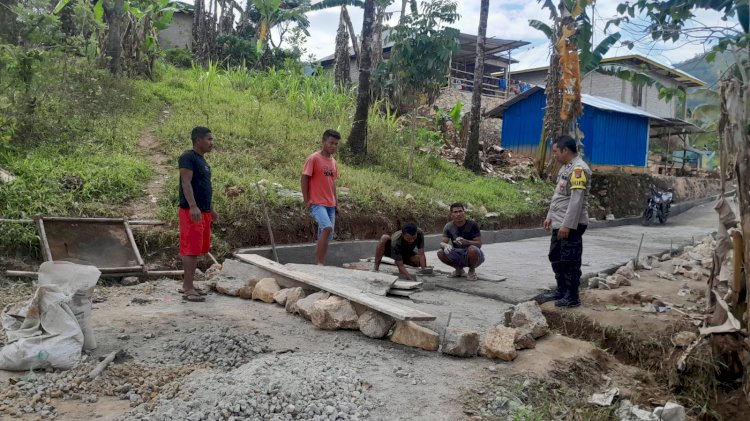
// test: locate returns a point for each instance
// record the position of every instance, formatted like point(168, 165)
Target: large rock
point(264, 290)
point(626, 271)
point(616, 281)
point(524, 339)
point(374, 324)
point(280, 297)
point(295, 294)
point(529, 316)
point(499, 343)
point(233, 287)
point(460, 342)
point(412, 334)
point(304, 306)
point(333, 313)
point(246, 292)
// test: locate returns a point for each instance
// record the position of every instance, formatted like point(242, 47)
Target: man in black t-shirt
point(405, 247)
point(196, 213)
point(461, 244)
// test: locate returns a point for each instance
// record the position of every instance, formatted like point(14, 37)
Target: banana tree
point(276, 12)
point(132, 26)
point(567, 37)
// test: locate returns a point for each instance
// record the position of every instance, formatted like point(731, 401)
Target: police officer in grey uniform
point(568, 219)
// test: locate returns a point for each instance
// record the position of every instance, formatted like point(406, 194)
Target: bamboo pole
point(268, 222)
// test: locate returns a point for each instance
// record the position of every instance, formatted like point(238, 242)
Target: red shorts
point(195, 237)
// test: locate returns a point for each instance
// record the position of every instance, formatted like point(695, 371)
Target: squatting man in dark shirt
point(461, 244)
point(405, 247)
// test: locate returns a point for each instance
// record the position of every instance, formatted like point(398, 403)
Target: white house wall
point(612, 87)
point(179, 33)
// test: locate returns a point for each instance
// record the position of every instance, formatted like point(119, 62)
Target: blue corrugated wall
point(610, 138)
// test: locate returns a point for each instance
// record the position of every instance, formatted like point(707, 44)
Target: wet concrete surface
point(525, 265)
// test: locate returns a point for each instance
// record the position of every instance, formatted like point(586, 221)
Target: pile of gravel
point(270, 387)
point(129, 381)
point(220, 348)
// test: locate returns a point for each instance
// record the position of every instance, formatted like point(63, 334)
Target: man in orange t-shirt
point(319, 190)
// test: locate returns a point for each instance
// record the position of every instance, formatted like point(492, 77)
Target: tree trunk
point(377, 41)
point(113, 46)
point(352, 34)
point(341, 64)
point(561, 111)
point(403, 9)
point(358, 136)
point(471, 161)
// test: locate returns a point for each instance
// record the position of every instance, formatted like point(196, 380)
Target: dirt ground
point(146, 318)
point(608, 342)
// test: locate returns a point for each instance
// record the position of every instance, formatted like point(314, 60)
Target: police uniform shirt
point(568, 206)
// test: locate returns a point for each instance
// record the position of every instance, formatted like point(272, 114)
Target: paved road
point(524, 263)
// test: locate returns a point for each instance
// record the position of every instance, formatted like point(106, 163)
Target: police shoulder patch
point(578, 178)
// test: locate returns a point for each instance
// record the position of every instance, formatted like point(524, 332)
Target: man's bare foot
point(456, 273)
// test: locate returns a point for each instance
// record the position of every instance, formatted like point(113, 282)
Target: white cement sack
point(78, 282)
point(49, 330)
point(43, 333)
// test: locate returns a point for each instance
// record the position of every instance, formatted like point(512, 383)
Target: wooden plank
point(381, 304)
point(406, 285)
point(365, 281)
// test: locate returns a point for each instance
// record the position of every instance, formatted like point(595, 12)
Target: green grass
point(266, 130)
point(86, 125)
point(265, 124)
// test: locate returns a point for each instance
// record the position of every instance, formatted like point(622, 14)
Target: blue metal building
point(613, 133)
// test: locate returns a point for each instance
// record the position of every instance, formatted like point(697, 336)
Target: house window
point(637, 95)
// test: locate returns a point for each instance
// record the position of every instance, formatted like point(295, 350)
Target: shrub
point(179, 57)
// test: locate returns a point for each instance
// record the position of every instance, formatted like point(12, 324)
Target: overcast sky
point(508, 19)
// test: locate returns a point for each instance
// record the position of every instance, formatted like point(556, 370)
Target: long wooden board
point(372, 282)
point(375, 302)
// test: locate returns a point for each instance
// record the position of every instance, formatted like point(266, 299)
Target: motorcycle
point(658, 206)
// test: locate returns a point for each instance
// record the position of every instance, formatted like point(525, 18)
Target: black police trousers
point(565, 256)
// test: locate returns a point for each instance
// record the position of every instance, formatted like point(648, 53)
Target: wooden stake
point(102, 365)
point(268, 222)
point(638, 253)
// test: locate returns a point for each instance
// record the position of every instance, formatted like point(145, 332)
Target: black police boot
point(571, 299)
point(568, 302)
point(556, 294)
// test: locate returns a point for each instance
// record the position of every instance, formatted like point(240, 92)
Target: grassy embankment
point(265, 125)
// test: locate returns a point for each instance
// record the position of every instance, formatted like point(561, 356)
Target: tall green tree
point(357, 141)
point(471, 160)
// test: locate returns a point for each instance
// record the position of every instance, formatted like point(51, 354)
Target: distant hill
point(707, 72)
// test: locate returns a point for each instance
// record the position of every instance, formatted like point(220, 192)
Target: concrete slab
point(528, 271)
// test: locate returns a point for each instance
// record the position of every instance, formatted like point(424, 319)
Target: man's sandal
point(471, 277)
point(194, 298)
point(200, 291)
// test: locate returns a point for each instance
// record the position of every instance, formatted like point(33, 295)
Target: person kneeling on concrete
point(405, 247)
point(461, 244)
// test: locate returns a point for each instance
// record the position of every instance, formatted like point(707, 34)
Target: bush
point(179, 57)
